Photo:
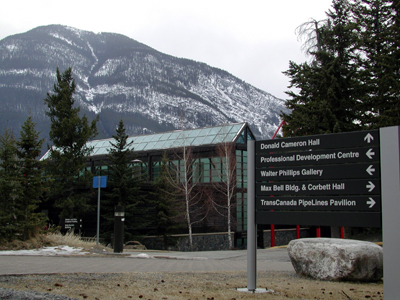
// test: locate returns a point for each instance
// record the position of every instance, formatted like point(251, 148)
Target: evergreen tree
point(165, 201)
point(123, 185)
point(32, 183)
point(391, 113)
point(10, 187)
point(69, 133)
point(353, 81)
point(326, 100)
point(379, 31)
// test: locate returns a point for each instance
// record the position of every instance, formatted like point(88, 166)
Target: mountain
point(118, 77)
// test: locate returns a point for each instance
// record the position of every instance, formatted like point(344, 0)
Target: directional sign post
point(335, 174)
point(346, 179)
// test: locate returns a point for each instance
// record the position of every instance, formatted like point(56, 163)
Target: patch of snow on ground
point(47, 251)
point(142, 255)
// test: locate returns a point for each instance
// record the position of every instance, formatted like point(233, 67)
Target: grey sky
point(253, 40)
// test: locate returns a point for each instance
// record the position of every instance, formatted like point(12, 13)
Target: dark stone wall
point(201, 242)
point(219, 241)
point(283, 236)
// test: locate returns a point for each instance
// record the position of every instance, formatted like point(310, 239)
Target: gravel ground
point(180, 286)
point(28, 295)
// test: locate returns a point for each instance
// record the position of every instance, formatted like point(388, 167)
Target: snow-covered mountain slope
point(118, 77)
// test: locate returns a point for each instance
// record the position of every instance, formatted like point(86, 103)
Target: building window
point(155, 170)
point(206, 166)
point(101, 171)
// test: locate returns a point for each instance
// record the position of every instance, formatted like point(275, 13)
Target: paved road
point(275, 259)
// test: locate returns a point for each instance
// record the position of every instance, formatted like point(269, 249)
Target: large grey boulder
point(337, 259)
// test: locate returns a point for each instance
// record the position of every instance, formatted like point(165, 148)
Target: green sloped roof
point(173, 139)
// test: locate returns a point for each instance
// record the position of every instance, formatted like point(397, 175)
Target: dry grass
point(36, 242)
point(73, 240)
point(69, 239)
point(54, 239)
point(179, 286)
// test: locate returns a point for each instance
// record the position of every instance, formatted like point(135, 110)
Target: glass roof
point(179, 138)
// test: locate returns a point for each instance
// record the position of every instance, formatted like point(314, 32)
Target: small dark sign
point(325, 141)
point(320, 203)
point(350, 171)
point(323, 187)
point(72, 223)
point(318, 157)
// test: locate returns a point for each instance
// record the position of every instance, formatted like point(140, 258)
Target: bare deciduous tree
point(184, 177)
point(310, 33)
point(226, 183)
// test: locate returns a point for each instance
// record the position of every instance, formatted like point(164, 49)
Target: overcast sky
point(253, 40)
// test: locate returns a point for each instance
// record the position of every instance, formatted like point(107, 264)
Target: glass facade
point(207, 165)
point(179, 138)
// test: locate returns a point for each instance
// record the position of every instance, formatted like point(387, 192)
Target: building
point(206, 163)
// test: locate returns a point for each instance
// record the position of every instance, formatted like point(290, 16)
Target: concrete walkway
point(275, 259)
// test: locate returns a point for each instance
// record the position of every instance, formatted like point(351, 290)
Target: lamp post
point(133, 162)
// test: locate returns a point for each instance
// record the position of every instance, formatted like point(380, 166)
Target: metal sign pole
point(251, 219)
point(98, 214)
point(390, 161)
